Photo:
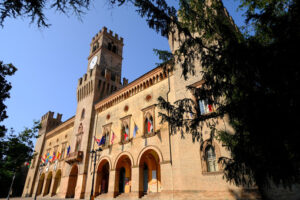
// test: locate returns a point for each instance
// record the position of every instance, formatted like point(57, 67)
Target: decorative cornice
point(147, 80)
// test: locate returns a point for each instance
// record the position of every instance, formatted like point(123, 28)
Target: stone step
point(124, 196)
point(151, 196)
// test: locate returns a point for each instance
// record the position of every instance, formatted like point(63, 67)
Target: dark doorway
point(72, 182)
point(122, 180)
point(105, 178)
point(145, 178)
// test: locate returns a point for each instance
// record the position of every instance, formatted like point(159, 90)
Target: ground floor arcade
point(112, 179)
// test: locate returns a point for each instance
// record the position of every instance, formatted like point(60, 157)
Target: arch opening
point(72, 182)
point(102, 178)
point(123, 176)
point(56, 185)
point(48, 184)
point(40, 185)
point(149, 173)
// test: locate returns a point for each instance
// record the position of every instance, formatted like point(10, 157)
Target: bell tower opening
point(106, 52)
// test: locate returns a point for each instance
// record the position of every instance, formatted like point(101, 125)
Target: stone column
point(111, 183)
point(44, 186)
point(135, 182)
point(52, 186)
point(80, 186)
point(36, 185)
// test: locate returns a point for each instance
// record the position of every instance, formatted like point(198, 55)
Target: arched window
point(149, 127)
point(96, 45)
point(82, 114)
point(109, 46)
point(125, 132)
point(210, 157)
point(114, 49)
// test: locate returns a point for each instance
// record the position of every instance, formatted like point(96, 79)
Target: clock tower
point(102, 78)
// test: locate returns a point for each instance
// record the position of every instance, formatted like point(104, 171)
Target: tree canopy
point(15, 151)
point(5, 86)
point(252, 76)
point(35, 9)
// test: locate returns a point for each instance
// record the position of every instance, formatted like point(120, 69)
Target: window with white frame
point(149, 121)
point(125, 129)
point(149, 128)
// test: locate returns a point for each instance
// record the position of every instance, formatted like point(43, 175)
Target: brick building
point(139, 157)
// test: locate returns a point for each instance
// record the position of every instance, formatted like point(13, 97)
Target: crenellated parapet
point(107, 82)
point(108, 41)
point(49, 122)
point(108, 33)
point(85, 85)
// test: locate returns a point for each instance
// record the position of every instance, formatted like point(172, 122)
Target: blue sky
point(50, 60)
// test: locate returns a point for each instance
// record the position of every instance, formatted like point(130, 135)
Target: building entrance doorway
point(72, 182)
point(56, 184)
point(146, 171)
point(149, 169)
point(40, 185)
point(123, 176)
point(48, 184)
point(102, 178)
point(122, 180)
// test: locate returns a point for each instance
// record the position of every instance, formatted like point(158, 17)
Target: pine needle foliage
point(35, 9)
point(252, 77)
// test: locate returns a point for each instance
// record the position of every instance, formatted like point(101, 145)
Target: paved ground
point(30, 198)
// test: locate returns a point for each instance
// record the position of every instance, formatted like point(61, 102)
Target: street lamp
point(94, 152)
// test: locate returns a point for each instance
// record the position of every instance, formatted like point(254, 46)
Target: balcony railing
point(74, 157)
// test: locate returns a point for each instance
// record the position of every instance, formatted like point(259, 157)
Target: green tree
point(5, 86)
point(35, 9)
point(15, 151)
point(251, 76)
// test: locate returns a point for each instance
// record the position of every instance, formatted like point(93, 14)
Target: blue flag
point(102, 140)
point(135, 130)
point(68, 150)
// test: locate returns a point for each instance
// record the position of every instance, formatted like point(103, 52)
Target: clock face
point(93, 62)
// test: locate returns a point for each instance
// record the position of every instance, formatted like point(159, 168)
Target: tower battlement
point(49, 122)
point(50, 116)
point(107, 32)
point(86, 77)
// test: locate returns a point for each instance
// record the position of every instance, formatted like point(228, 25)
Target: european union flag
point(102, 141)
point(68, 150)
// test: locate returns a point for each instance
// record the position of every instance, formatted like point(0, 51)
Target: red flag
point(27, 164)
point(125, 136)
point(210, 108)
point(113, 137)
point(150, 127)
point(53, 158)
